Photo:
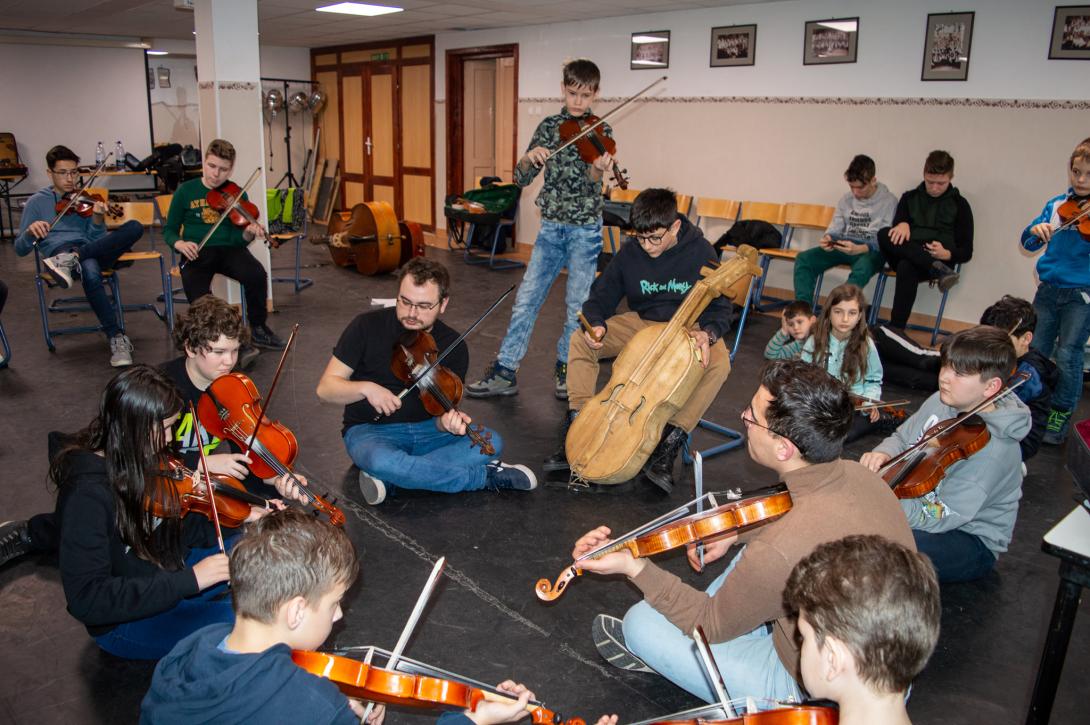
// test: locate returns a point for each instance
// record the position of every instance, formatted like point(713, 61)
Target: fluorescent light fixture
point(359, 9)
point(158, 52)
point(845, 26)
point(648, 39)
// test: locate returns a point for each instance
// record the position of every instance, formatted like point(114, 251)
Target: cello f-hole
point(632, 415)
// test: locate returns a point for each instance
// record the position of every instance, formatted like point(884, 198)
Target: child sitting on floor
point(795, 324)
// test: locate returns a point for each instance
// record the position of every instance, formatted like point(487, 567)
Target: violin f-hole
point(632, 415)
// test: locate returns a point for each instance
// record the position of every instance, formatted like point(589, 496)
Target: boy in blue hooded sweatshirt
point(289, 573)
point(968, 520)
point(1063, 296)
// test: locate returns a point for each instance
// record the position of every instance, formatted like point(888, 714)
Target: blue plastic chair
point(876, 304)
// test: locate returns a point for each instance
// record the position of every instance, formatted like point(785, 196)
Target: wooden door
point(479, 102)
point(505, 117)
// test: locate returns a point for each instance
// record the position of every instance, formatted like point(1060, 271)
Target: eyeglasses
point(749, 419)
point(71, 173)
point(422, 306)
point(652, 239)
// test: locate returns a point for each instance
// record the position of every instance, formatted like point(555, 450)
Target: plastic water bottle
point(100, 153)
point(119, 155)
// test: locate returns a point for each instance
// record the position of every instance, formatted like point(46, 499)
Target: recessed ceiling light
point(157, 52)
point(359, 9)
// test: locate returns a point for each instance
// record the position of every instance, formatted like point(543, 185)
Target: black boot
point(659, 468)
point(558, 462)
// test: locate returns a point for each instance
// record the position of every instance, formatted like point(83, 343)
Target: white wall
point(782, 131)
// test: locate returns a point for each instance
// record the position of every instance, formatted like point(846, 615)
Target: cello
point(656, 372)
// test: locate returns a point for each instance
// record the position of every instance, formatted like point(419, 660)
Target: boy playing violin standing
point(78, 246)
point(795, 426)
point(570, 236)
point(967, 521)
point(289, 573)
point(868, 614)
point(226, 252)
point(394, 440)
point(1063, 295)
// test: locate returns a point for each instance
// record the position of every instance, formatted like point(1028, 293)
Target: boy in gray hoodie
point(968, 520)
point(852, 236)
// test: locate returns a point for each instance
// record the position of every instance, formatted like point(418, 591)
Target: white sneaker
point(120, 351)
point(373, 490)
point(63, 267)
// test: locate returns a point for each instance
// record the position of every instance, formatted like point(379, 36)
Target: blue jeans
point(558, 245)
point(749, 663)
point(957, 556)
point(1063, 324)
point(420, 456)
point(101, 254)
point(151, 638)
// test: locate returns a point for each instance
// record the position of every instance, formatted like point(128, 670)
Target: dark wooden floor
point(484, 620)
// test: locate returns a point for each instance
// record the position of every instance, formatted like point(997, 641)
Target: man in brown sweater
point(795, 425)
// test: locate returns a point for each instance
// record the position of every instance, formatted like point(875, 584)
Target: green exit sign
point(380, 56)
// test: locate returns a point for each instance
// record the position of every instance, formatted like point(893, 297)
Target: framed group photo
point(830, 41)
point(1070, 33)
point(733, 45)
point(650, 49)
point(946, 47)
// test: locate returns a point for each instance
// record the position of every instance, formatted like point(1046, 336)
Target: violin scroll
point(548, 591)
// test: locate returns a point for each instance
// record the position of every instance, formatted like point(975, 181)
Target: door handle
point(368, 144)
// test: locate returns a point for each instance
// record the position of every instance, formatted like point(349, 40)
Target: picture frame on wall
point(650, 50)
point(1070, 33)
point(834, 40)
point(733, 45)
point(947, 44)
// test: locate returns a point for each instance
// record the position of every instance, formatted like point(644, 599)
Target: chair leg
point(876, 299)
point(735, 439)
point(5, 347)
point(742, 320)
point(817, 292)
point(938, 319)
point(44, 308)
point(298, 282)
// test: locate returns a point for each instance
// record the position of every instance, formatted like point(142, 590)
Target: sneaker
point(120, 350)
point(14, 541)
point(262, 336)
point(1056, 428)
point(508, 476)
point(497, 381)
point(372, 489)
point(561, 377)
point(247, 356)
point(608, 635)
point(63, 268)
point(946, 278)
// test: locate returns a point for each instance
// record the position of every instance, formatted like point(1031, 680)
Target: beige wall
point(1009, 161)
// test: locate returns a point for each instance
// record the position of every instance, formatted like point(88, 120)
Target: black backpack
point(753, 232)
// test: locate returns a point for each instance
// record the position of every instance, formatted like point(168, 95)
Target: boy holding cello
point(226, 252)
point(570, 236)
point(967, 520)
point(289, 573)
point(795, 426)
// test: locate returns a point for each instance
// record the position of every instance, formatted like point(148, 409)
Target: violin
point(755, 712)
point(244, 213)
point(231, 410)
point(232, 500)
point(82, 203)
point(920, 468)
point(412, 684)
point(894, 408)
point(592, 144)
point(656, 372)
point(413, 363)
point(1076, 212)
point(730, 518)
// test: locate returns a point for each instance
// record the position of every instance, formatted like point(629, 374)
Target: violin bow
point(869, 403)
point(453, 345)
point(225, 213)
point(601, 119)
point(207, 476)
point(410, 625)
point(76, 194)
point(698, 477)
point(711, 669)
point(995, 398)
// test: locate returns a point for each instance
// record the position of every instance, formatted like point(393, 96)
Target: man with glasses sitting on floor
point(394, 441)
point(653, 275)
point(78, 246)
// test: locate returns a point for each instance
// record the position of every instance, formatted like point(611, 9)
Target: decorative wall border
point(1053, 105)
point(227, 85)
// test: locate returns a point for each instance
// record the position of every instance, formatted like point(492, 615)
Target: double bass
point(617, 430)
point(370, 237)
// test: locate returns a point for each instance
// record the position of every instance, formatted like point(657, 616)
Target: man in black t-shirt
point(394, 441)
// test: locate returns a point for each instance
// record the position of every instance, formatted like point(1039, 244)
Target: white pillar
point(229, 83)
